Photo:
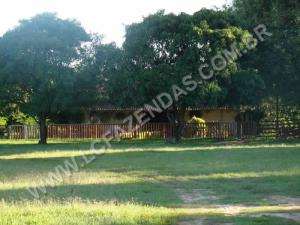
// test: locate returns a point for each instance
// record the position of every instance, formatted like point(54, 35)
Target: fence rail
point(215, 130)
point(92, 131)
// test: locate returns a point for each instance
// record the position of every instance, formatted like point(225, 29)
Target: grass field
point(151, 182)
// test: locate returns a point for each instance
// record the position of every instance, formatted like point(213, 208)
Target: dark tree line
point(50, 66)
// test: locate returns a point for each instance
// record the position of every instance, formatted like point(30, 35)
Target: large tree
point(100, 63)
point(38, 60)
point(164, 48)
point(277, 59)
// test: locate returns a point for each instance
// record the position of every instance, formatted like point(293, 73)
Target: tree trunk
point(43, 130)
point(177, 125)
point(87, 116)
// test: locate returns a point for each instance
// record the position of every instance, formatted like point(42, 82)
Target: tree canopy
point(164, 48)
point(37, 66)
point(49, 66)
point(276, 59)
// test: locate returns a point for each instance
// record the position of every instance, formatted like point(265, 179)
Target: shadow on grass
point(13, 149)
point(229, 174)
point(20, 147)
point(245, 191)
point(166, 163)
point(140, 192)
point(237, 176)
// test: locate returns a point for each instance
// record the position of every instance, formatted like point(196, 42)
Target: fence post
point(25, 132)
point(241, 130)
point(9, 132)
point(236, 129)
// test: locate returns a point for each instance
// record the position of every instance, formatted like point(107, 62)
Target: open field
point(151, 182)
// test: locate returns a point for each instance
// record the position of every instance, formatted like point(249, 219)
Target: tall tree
point(164, 48)
point(39, 56)
point(277, 59)
point(94, 74)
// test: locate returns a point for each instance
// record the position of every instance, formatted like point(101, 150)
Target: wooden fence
point(214, 130)
point(147, 131)
point(283, 130)
point(23, 132)
point(92, 131)
point(97, 131)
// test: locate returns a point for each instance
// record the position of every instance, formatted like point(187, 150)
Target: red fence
point(96, 131)
point(93, 131)
point(215, 130)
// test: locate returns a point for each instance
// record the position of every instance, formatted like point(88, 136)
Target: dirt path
point(196, 196)
point(204, 197)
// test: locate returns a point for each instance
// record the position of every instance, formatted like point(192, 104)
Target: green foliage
point(39, 53)
point(100, 64)
point(164, 48)
point(200, 123)
point(197, 125)
point(3, 121)
point(247, 88)
point(287, 114)
point(49, 71)
point(17, 118)
point(197, 120)
point(276, 58)
point(21, 118)
point(37, 67)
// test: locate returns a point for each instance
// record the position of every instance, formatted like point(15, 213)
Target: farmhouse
point(117, 114)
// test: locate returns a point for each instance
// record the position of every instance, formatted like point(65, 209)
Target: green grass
point(138, 182)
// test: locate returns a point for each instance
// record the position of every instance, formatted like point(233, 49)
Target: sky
point(107, 17)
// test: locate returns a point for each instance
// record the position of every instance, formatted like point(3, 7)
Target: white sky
point(98, 16)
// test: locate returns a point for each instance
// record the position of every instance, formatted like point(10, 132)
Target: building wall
point(213, 115)
point(219, 115)
point(108, 117)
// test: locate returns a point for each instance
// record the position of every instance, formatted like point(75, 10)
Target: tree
point(277, 58)
point(162, 49)
point(40, 55)
point(100, 63)
point(246, 88)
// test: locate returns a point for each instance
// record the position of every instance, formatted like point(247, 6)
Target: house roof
point(132, 109)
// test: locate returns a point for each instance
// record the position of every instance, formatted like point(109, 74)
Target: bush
point(3, 121)
point(196, 127)
point(197, 120)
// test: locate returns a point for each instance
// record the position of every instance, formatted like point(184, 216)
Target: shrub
point(196, 127)
point(3, 121)
point(197, 120)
